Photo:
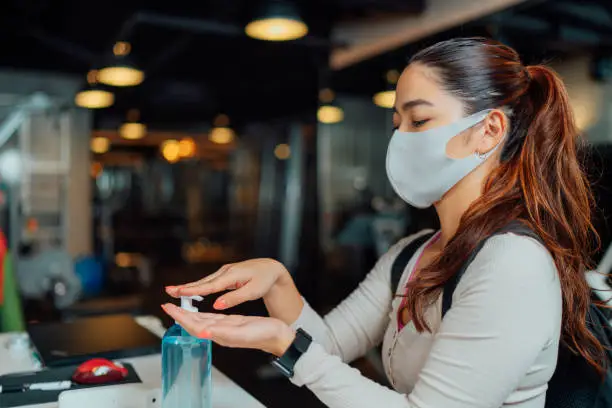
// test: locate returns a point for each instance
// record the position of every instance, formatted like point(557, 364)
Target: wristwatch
point(286, 362)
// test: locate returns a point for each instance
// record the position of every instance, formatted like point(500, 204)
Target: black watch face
point(286, 362)
point(302, 340)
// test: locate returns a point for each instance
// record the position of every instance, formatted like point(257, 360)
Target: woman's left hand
point(264, 333)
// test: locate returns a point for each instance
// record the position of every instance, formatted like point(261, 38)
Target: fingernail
point(220, 304)
point(171, 307)
point(204, 334)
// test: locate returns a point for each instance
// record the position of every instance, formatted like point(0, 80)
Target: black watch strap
point(300, 345)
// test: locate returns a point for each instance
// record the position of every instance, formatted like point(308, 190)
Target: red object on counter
point(99, 371)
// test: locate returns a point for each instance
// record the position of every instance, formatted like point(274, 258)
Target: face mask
point(419, 169)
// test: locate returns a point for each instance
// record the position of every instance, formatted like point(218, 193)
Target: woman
point(486, 140)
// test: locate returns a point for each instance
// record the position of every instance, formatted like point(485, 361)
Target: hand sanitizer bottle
point(186, 366)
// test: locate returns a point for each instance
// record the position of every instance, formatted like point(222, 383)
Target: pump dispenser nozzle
point(187, 303)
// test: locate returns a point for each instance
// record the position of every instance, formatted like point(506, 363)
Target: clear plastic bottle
point(186, 366)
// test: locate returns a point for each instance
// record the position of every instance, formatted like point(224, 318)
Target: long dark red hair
point(539, 181)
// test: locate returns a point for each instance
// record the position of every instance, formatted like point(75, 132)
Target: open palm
point(254, 332)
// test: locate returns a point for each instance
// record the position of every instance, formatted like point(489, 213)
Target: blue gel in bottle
point(186, 366)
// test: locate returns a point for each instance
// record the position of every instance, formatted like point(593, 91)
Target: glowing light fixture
point(124, 260)
point(278, 22)
point(386, 98)
point(329, 112)
point(221, 133)
point(32, 225)
point(132, 129)
point(171, 149)
point(93, 96)
point(187, 147)
point(94, 99)
point(96, 169)
point(100, 145)
point(122, 72)
point(123, 75)
point(282, 151)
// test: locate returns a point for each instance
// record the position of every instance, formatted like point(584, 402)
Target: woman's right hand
point(248, 280)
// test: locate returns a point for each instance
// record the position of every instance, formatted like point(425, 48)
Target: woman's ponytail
point(558, 199)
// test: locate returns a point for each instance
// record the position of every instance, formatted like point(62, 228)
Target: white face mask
point(419, 169)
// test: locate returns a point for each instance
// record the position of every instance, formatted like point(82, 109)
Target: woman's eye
point(419, 123)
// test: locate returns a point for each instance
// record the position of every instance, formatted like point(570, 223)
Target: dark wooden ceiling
point(198, 62)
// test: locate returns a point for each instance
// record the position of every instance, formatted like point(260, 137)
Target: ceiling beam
point(204, 26)
point(66, 47)
point(368, 38)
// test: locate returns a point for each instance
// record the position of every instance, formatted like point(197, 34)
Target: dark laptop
point(111, 337)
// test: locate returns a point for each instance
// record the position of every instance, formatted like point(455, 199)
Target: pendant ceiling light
point(171, 150)
point(329, 112)
point(133, 129)
point(93, 96)
point(122, 71)
point(278, 22)
point(221, 133)
point(100, 145)
point(187, 147)
point(386, 98)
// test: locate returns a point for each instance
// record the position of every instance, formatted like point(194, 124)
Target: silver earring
point(481, 156)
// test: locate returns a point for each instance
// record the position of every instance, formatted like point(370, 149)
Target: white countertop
point(226, 393)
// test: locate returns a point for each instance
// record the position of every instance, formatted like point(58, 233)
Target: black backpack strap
point(403, 258)
point(515, 227)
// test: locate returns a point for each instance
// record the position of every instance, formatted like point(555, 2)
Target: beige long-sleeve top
point(496, 346)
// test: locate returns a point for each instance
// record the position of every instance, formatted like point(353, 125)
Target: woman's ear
point(495, 127)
